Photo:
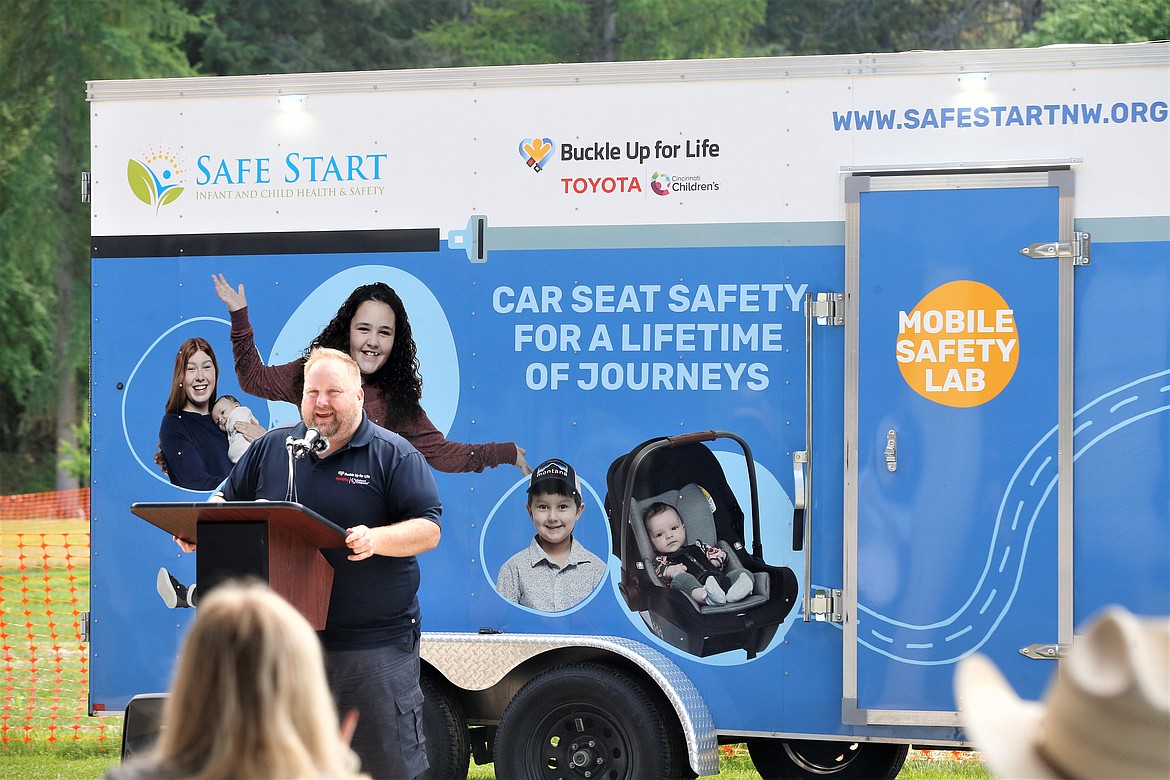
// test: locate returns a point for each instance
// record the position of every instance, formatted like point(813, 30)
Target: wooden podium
point(278, 542)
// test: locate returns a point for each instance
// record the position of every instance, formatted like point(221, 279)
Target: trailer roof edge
point(572, 74)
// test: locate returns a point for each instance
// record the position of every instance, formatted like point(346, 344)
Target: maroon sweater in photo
point(279, 383)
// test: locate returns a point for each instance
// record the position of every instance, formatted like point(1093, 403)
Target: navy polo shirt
point(377, 479)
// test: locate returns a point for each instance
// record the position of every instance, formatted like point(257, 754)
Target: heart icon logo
point(536, 152)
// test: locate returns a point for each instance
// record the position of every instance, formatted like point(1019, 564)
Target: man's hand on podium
point(361, 541)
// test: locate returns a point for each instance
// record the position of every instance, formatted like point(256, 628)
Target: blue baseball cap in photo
point(556, 470)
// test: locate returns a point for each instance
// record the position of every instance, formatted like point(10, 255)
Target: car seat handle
point(692, 438)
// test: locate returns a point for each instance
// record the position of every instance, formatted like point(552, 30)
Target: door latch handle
point(892, 450)
point(799, 498)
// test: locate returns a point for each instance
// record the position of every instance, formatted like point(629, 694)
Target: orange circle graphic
point(959, 346)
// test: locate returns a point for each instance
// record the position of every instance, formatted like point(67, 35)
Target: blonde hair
point(353, 372)
point(249, 698)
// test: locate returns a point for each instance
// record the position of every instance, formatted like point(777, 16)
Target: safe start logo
point(536, 151)
point(157, 179)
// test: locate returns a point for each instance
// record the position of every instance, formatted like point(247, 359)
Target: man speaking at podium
point(379, 488)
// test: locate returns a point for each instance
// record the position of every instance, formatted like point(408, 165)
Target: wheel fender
point(495, 655)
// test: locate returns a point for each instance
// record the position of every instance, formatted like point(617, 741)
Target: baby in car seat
point(696, 569)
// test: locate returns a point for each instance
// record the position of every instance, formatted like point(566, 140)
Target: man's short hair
point(325, 353)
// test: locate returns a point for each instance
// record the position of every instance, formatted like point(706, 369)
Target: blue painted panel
point(488, 377)
point(1122, 442)
point(575, 354)
point(957, 546)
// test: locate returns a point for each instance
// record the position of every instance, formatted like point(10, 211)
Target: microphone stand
point(297, 449)
point(290, 492)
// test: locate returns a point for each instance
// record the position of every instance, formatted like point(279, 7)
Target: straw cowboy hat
point(1105, 714)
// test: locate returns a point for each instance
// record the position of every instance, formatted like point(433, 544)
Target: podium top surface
point(182, 518)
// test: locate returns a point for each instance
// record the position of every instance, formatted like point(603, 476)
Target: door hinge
point(85, 626)
point(1043, 652)
point(85, 186)
point(828, 308)
point(826, 605)
point(1077, 249)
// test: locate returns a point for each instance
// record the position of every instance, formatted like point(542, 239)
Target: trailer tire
point(578, 716)
point(800, 759)
point(448, 743)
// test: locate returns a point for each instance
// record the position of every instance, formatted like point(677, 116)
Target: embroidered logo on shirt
point(353, 478)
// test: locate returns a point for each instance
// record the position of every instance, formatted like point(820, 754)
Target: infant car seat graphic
point(683, 472)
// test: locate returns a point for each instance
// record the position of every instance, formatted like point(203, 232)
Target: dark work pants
point(382, 685)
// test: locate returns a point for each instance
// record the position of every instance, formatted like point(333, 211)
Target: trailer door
point(951, 491)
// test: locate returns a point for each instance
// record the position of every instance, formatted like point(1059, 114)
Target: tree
point(1101, 21)
point(304, 36)
point(47, 51)
point(857, 26)
point(685, 29)
point(73, 457)
point(509, 32)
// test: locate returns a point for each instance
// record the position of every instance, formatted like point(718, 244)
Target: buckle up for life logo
point(536, 151)
point(157, 179)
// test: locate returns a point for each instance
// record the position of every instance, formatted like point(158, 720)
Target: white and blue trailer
point(912, 306)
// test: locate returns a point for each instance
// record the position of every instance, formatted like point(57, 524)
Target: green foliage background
point(50, 48)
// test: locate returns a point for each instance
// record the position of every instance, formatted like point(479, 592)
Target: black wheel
point(797, 759)
point(588, 721)
point(448, 744)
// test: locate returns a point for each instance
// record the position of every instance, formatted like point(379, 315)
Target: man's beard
point(337, 423)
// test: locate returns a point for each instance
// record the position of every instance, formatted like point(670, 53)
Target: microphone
point(313, 442)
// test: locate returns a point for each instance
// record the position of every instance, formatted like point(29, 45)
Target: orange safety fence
point(44, 593)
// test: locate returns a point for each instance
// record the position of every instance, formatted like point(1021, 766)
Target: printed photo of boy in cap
point(555, 572)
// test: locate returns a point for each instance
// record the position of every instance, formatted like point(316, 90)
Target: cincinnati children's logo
point(660, 184)
point(536, 151)
point(157, 179)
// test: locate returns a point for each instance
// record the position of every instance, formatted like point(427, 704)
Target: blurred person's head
point(249, 698)
point(1105, 713)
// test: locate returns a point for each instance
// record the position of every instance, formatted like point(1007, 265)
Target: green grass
point(921, 766)
point(86, 760)
point(68, 761)
point(948, 770)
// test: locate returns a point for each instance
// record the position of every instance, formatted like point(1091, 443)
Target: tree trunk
point(606, 31)
point(1030, 13)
